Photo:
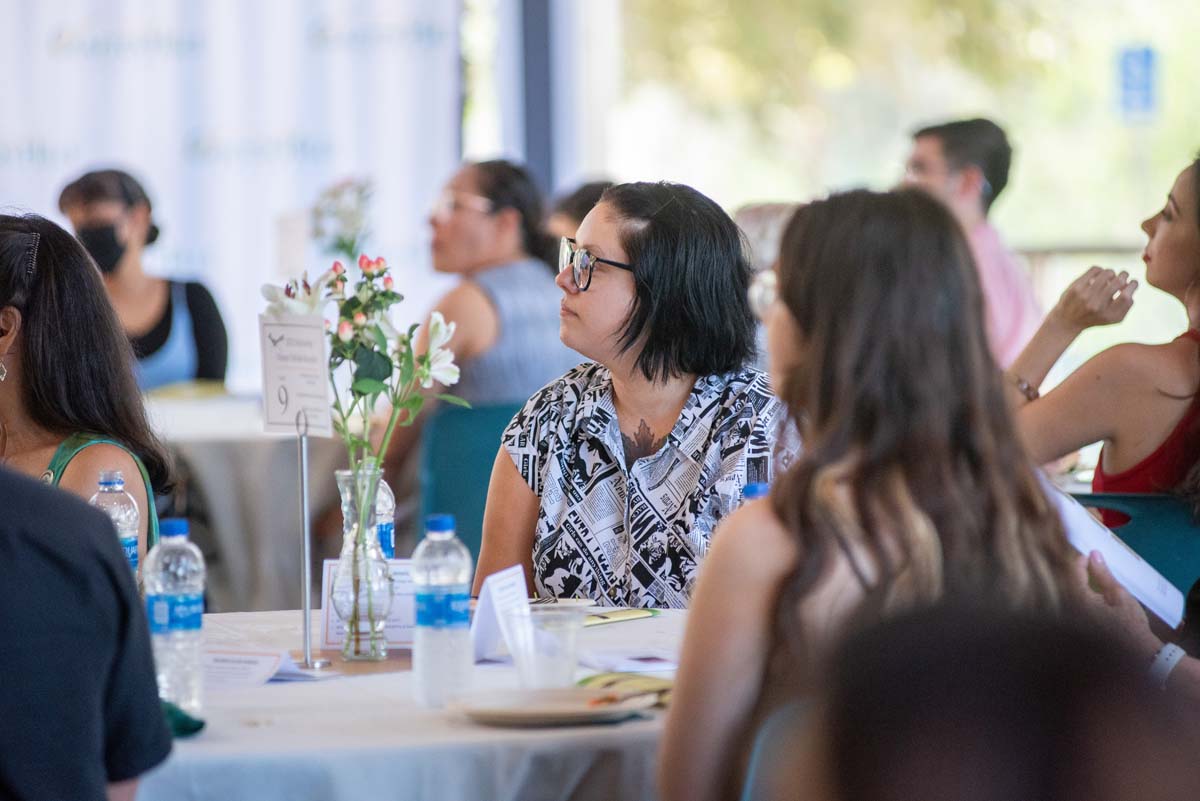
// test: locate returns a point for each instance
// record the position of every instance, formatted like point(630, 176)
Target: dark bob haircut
point(76, 363)
point(691, 314)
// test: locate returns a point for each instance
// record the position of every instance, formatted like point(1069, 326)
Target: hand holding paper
point(1142, 581)
point(1116, 607)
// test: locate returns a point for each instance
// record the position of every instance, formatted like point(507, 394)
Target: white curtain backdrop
point(234, 115)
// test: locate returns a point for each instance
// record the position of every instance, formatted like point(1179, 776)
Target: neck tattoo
point(642, 444)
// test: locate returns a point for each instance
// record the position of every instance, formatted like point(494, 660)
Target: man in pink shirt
point(965, 165)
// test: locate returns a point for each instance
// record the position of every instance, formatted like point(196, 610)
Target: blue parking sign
point(1137, 75)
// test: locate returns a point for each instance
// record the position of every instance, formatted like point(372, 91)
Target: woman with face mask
point(175, 328)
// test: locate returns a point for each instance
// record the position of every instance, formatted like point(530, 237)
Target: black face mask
point(101, 242)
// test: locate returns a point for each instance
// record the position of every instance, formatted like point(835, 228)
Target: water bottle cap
point(111, 478)
point(173, 527)
point(439, 523)
point(759, 489)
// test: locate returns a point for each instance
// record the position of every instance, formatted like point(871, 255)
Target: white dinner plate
point(560, 707)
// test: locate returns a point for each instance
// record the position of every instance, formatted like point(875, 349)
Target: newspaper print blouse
point(635, 537)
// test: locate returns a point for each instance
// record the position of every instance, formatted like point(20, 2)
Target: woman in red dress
point(1142, 401)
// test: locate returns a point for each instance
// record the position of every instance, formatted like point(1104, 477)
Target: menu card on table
point(245, 667)
point(402, 617)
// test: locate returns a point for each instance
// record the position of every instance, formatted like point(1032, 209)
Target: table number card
point(402, 617)
point(295, 374)
point(500, 593)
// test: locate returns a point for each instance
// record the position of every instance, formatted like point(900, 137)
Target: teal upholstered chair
point(1160, 529)
point(458, 449)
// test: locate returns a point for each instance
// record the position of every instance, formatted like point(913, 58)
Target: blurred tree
point(759, 54)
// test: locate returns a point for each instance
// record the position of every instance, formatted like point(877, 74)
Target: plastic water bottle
point(123, 509)
point(759, 489)
point(174, 580)
point(441, 571)
point(385, 519)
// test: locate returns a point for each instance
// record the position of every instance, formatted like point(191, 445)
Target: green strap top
point(75, 443)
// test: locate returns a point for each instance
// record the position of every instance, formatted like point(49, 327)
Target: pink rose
point(338, 269)
point(345, 331)
point(388, 283)
point(360, 319)
point(364, 263)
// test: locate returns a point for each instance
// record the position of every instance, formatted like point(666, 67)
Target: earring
point(3, 371)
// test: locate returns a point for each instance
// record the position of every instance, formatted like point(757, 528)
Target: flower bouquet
point(368, 361)
point(339, 217)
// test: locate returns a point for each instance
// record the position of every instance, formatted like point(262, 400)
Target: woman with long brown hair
point(913, 486)
point(69, 403)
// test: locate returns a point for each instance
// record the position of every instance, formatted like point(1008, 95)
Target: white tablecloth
point(250, 481)
point(364, 737)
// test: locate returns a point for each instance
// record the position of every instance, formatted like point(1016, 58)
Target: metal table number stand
point(306, 546)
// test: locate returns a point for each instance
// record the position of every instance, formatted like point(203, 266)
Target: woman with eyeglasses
point(487, 229)
point(609, 482)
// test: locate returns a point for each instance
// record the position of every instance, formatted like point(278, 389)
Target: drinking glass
point(544, 643)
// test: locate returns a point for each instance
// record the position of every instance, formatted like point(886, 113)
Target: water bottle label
point(387, 539)
point(443, 607)
point(129, 545)
point(169, 613)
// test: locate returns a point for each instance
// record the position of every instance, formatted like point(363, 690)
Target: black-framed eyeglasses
point(582, 262)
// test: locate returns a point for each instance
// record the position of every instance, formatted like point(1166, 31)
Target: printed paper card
point(500, 593)
point(227, 667)
point(236, 667)
point(295, 374)
point(401, 617)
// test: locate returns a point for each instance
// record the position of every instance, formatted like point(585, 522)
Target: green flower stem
point(394, 417)
point(362, 459)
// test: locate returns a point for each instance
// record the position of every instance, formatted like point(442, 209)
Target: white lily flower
point(295, 297)
point(442, 369)
point(440, 332)
point(278, 303)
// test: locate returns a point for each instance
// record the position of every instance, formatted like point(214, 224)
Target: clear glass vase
point(362, 586)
